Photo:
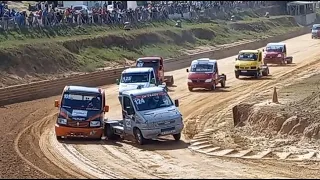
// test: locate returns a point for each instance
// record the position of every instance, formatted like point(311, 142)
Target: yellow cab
point(250, 63)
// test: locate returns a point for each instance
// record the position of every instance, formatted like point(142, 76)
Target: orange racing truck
point(81, 112)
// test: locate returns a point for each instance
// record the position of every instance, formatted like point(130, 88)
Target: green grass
point(91, 47)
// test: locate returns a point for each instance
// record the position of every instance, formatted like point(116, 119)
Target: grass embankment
point(38, 52)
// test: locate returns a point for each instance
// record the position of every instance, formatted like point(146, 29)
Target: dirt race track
point(29, 148)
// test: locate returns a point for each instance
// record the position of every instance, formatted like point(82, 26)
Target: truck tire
point(289, 61)
point(108, 131)
point(256, 76)
point(139, 137)
point(59, 138)
point(223, 83)
point(213, 87)
point(177, 137)
point(265, 72)
point(190, 89)
point(236, 74)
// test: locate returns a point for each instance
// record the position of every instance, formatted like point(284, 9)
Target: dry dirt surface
point(30, 150)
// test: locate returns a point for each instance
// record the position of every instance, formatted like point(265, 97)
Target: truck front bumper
point(246, 72)
point(78, 132)
point(154, 133)
point(206, 85)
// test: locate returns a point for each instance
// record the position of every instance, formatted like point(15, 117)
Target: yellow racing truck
point(250, 63)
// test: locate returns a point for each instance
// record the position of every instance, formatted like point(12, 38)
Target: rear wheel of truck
point(139, 137)
point(177, 137)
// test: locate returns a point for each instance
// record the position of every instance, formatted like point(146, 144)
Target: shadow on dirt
point(256, 79)
point(282, 65)
point(219, 89)
point(162, 143)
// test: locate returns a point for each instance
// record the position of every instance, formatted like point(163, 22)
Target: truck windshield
point(248, 57)
point(148, 63)
point(316, 28)
point(152, 101)
point(82, 101)
point(274, 48)
point(201, 68)
point(134, 77)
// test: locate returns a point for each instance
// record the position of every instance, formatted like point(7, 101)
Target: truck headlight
point(279, 55)
point(189, 80)
point(237, 67)
point(208, 80)
point(253, 67)
point(95, 123)
point(62, 121)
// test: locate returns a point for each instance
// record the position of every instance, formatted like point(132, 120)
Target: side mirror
point(262, 50)
point(176, 103)
point(152, 81)
point(160, 67)
point(106, 109)
point(117, 81)
point(56, 103)
point(236, 59)
point(187, 70)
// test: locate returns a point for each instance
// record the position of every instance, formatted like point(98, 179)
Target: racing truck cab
point(157, 64)
point(81, 112)
point(276, 53)
point(147, 113)
point(315, 31)
point(131, 78)
point(204, 73)
point(250, 63)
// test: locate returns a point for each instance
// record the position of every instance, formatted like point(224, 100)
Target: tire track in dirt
point(183, 161)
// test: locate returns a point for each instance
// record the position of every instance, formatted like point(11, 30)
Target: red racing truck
point(204, 73)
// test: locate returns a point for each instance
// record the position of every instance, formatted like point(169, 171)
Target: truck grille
point(80, 124)
point(198, 81)
point(243, 67)
point(165, 123)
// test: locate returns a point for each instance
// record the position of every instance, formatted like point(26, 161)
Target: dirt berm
point(291, 125)
point(29, 62)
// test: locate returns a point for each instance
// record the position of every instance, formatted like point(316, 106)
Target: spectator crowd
point(45, 14)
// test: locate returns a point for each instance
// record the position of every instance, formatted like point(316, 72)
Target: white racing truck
point(131, 78)
point(147, 113)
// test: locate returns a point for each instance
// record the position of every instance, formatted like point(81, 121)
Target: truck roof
point(82, 89)
point(203, 60)
point(150, 57)
point(138, 70)
point(249, 51)
point(276, 44)
point(142, 91)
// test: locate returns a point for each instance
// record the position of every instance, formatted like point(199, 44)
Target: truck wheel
point(59, 138)
point(213, 87)
point(190, 89)
point(236, 74)
point(108, 131)
point(289, 61)
point(177, 137)
point(256, 75)
point(223, 83)
point(265, 72)
point(139, 137)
